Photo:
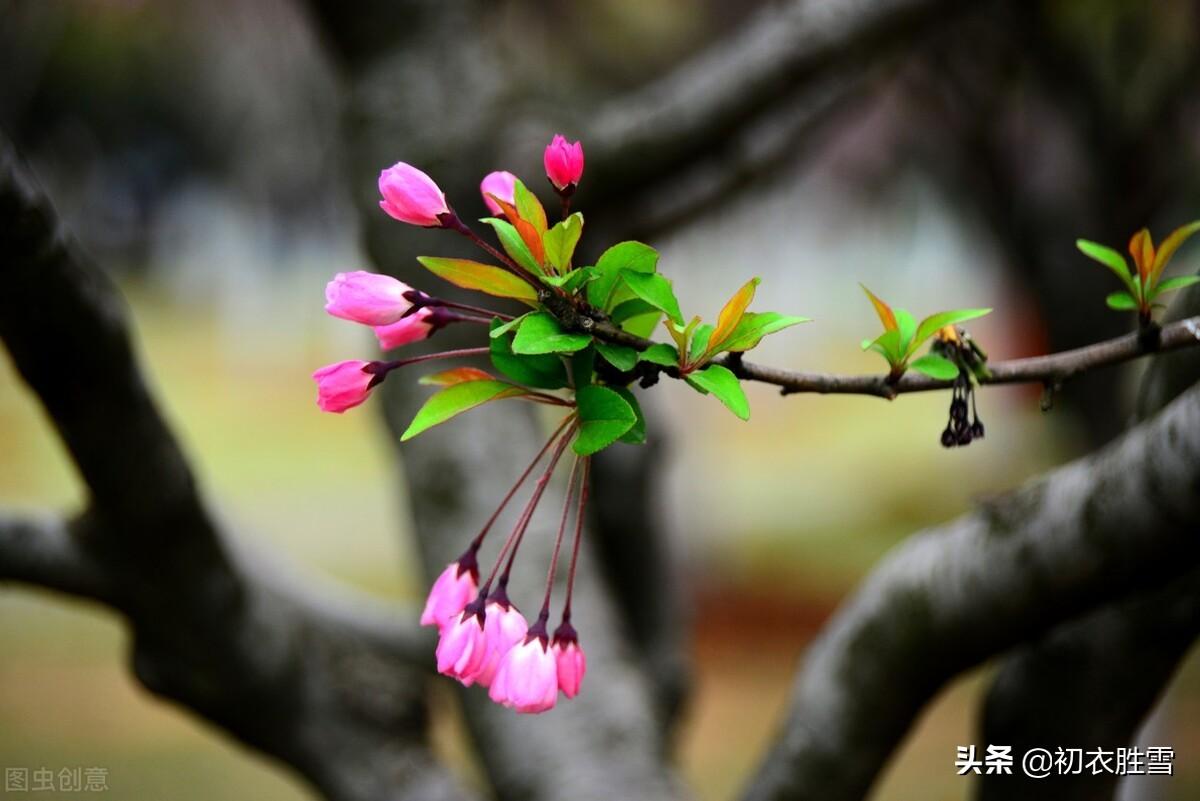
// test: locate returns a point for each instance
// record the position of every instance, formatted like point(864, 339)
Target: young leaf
point(930, 325)
point(1168, 246)
point(887, 345)
point(661, 353)
point(724, 385)
point(482, 277)
point(906, 324)
point(756, 325)
point(655, 290)
point(529, 207)
point(622, 357)
point(560, 241)
point(501, 328)
point(1141, 248)
point(542, 371)
point(572, 280)
point(456, 399)
point(1121, 301)
point(604, 416)
point(700, 339)
point(882, 309)
point(637, 434)
point(1110, 259)
point(936, 366)
point(730, 316)
point(621, 257)
point(541, 333)
point(513, 244)
point(457, 375)
point(1179, 282)
point(529, 233)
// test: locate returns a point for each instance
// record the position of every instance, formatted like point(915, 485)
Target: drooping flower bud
point(569, 660)
point(452, 591)
point(500, 184)
point(460, 649)
point(564, 163)
point(367, 298)
point(411, 196)
point(527, 679)
point(343, 385)
point(505, 627)
point(413, 328)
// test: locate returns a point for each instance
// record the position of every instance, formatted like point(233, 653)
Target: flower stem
point(562, 527)
point(458, 225)
point(518, 532)
point(445, 354)
point(584, 486)
point(486, 313)
point(478, 541)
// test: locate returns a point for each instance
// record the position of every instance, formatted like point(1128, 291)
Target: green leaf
point(642, 325)
point(481, 277)
point(906, 324)
point(1179, 282)
point(456, 399)
point(500, 328)
point(529, 208)
point(572, 280)
point(621, 257)
point(1109, 258)
point(655, 290)
point(1121, 301)
point(604, 416)
point(661, 353)
point(724, 385)
point(622, 357)
point(637, 434)
point(542, 371)
point(930, 325)
point(936, 366)
point(513, 244)
point(541, 333)
point(756, 325)
point(887, 345)
point(583, 366)
point(700, 339)
point(560, 241)
point(631, 308)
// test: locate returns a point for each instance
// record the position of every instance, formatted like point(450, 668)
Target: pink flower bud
point(452, 591)
point(499, 184)
point(571, 664)
point(411, 196)
point(367, 298)
point(412, 328)
point(564, 163)
point(505, 627)
point(460, 650)
point(527, 679)
point(343, 385)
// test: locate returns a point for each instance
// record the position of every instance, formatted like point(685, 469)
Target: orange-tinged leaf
point(1141, 247)
point(457, 375)
point(731, 315)
point(480, 277)
point(1168, 247)
point(883, 310)
point(528, 231)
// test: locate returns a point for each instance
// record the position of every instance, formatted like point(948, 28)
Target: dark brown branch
point(325, 681)
point(1051, 370)
point(947, 599)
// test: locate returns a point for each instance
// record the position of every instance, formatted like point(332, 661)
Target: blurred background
point(217, 158)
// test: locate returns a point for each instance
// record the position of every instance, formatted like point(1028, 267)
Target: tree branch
point(1115, 522)
point(322, 680)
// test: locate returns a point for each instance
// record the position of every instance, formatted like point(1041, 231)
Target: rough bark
point(326, 681)
point(1121, 520)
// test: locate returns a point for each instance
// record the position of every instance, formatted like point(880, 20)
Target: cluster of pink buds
point(484, 638)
